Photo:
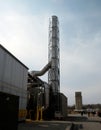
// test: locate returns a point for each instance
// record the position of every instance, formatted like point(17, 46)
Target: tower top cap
point(54, 16)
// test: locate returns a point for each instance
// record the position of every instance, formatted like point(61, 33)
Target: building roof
point(13, 56)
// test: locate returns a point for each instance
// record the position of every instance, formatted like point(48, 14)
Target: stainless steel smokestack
point(54, 56)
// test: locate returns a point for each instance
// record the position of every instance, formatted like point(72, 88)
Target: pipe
point(41, 72)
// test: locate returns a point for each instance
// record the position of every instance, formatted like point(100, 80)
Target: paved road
point(92, 123)
point(45, 125)
point(87, 126)
point(91, 126)
point(76, 121)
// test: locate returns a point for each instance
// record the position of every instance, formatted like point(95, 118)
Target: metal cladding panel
point(13, 77)
point(54, 74)
point(55, 63)
point(54, 52)
point(1, 62)
point(12, 72)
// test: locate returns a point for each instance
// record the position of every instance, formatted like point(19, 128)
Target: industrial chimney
point(53, 55)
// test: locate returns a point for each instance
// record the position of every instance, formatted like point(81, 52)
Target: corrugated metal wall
point(13, 76)
point(11, 71)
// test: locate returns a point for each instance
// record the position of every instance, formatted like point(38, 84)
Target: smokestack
point(54, 56)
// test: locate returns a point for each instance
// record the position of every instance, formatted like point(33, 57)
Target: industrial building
point(25, 92)
point(13, 87)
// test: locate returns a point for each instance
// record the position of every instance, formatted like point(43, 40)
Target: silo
point(53, 55)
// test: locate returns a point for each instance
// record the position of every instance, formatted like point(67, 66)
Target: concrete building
point(78, 101)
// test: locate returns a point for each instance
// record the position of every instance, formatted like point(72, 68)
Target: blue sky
point(24, 32)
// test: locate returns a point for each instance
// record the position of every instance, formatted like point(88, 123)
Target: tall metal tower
point(54, 56)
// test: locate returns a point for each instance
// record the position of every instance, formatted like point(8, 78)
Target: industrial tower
point(53, 55)
point(53, 66)
point(56, 101)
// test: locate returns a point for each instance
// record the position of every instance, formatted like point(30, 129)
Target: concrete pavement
point(45, 125)
point(91, 126)
point(92, 123)
point(73, 122)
